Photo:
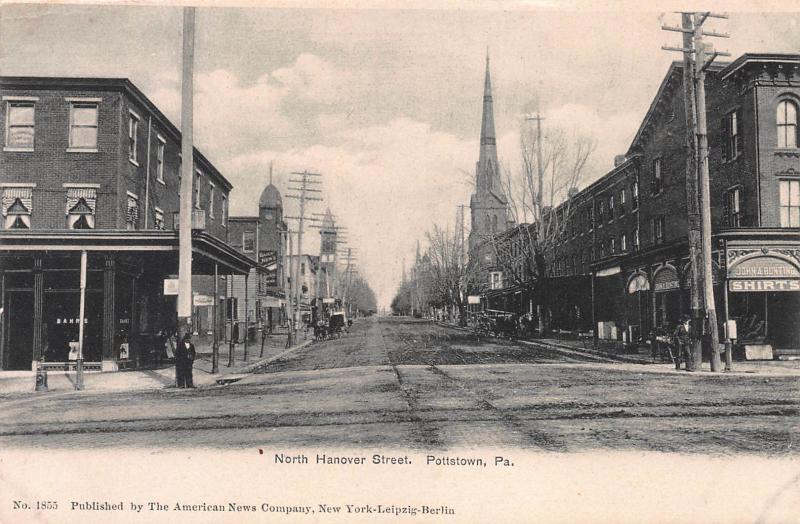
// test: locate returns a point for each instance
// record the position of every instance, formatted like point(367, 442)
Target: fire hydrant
point(41, 377)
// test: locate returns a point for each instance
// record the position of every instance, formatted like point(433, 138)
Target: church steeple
point(487, 176)
point(488, 205)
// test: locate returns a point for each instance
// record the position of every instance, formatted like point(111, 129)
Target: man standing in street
point(181, 355)
point(682, 343)
point(190, 353)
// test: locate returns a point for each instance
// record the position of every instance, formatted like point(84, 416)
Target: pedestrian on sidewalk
point(188, 362)
point(181, 354)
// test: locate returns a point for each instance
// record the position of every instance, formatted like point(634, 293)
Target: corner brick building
point(91, 165)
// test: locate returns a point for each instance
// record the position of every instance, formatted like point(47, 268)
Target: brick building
point(91, 165)
point(621, 266)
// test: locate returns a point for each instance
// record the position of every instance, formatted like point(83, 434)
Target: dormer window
point(17, 206)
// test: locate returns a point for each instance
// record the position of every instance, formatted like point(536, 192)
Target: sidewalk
point(21, 383)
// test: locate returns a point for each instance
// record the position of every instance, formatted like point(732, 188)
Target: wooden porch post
point(38, 301)
point(109, 273)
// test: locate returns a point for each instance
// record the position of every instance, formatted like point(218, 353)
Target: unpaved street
point(396, 382)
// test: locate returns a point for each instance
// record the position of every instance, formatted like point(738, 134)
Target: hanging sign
point(170, 286)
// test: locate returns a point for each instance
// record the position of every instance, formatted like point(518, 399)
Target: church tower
point(488, 204)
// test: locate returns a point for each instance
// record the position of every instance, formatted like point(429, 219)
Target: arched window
point(786, 119)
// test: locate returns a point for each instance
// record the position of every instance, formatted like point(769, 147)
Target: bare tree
point(448, 270)
point(540, 205)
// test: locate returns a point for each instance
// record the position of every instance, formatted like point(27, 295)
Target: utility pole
point(698, 191)
point(305, 182)
point(287, 284)
point(539, 207)
point(187, 176)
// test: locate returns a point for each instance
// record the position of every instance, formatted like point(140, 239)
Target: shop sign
point(328, 300)
point(763, 267)
point(202, 300)
point(473, 299)
point(170, 286)
point(666, 280)
point(764, 285)
point(270, 260)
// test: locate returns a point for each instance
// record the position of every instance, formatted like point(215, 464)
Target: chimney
point(619, 159)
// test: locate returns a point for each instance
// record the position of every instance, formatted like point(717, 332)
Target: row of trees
point(538, 190)
point(360, 296)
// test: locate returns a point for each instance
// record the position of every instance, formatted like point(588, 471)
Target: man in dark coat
point(188, 361)
point(181, 355)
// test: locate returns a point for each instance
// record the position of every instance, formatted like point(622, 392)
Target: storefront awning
point(209, 248)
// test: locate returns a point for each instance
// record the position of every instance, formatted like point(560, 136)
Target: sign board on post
point(170, 286)
point(270, 260)
point(202, 300)
point(730, 330)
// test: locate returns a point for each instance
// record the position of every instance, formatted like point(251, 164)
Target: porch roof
point(209, 248)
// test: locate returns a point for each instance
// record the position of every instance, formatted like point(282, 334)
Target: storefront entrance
point(18, 352)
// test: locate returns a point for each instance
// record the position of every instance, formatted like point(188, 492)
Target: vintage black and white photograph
point(433, 240)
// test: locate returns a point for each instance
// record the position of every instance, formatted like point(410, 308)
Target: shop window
point(732, 135)
point(20, 125)
point(733, 207)
point(790, 203)
point(658, 181)
point(81, 205)
point(83, 126)
point(787, 124)
point(17, 207)
point(132, 215)
point(248, 242)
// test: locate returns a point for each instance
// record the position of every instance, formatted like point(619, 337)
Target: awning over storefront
point(209, 248)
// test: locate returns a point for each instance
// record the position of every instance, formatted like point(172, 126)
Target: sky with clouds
point(386, 104)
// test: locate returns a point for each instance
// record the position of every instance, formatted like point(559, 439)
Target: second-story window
point(623, 242)
point(160, 147)
point(733, 207)
point(602, 249)
point(197, 190)
point(81, 205)
point(248, 242)
point(732, 142)
point(790, 203)
point(787, 125)
point(657, 226)
point(17, 206)
point(612, 246)
point(224, 210)
point(600, 212)
point(610, 208)
point(635, 195)
point(133, 138)
point(211, 201)
point(20, 125)
point(657, 177)
point(622, 202)
point(635, 237)
point(158, 223)
point(132, 216)
point(83, 126)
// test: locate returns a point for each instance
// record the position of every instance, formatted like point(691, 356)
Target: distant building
point(91, 164)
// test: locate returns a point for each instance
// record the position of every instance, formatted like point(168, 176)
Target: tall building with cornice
point(488, 204)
